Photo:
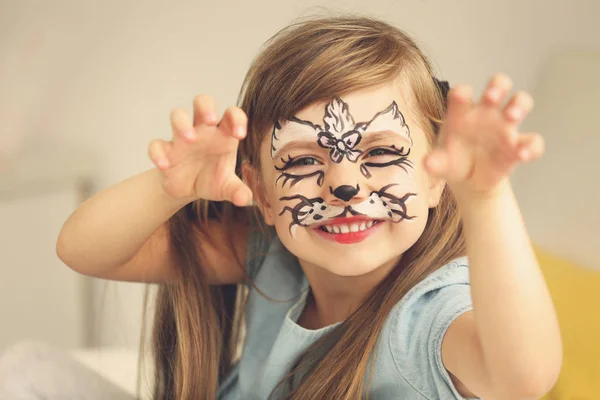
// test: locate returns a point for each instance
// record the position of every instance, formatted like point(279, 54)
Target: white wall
point(105, 75)
point(559, 195)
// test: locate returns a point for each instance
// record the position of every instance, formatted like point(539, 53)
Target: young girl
point(384, 252)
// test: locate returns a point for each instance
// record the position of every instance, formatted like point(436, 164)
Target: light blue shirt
point(408, 364)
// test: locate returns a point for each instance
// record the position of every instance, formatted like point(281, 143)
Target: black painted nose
point(345, 192)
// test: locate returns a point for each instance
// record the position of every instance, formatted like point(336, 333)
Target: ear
point(251, 177)
point(436, 187)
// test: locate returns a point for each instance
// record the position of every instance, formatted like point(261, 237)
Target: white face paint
point(379, 206)
point(341, 136)
point(323, 168)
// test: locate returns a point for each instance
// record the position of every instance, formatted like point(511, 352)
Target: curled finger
point(530, 146)
point(518, 107)
point(158, 151)
point(205, 111)
point(237, 192)
point(181, 125)
point(234, 123)
point(460, 101)
point(496, 90)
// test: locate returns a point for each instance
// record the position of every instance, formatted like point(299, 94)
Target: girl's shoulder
point(417, 324)
point(436, 293)
point(453, 274)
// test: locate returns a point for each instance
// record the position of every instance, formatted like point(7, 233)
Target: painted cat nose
point(345, 192)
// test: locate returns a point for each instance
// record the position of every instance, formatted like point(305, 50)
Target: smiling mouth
point(342, 228)
point(345, 225)
point(348, 230)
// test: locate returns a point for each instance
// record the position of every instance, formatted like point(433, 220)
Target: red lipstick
point(348, 237)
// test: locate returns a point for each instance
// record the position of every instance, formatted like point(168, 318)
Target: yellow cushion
point(576, 294)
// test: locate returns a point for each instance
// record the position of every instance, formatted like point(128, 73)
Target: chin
point(352, 266)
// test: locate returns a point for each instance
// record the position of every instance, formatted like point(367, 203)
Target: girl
point(383, 252)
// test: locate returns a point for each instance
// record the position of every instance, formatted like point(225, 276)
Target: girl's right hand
point(199, 161)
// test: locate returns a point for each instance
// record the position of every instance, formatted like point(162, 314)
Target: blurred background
point(85, 85)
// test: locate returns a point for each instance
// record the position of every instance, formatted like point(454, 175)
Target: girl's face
point(345, 187)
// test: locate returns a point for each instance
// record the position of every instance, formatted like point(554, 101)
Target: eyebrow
point(380, 136)
point(299, 145)
point(367, 139)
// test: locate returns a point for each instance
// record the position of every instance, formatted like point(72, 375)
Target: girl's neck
point(333, 298)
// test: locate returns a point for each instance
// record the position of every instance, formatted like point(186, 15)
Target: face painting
point(341, 137)
point(379, 206)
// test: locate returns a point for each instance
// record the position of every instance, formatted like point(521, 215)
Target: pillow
point(576, 294)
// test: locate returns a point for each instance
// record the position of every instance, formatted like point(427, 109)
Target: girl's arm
point(109, 229)
point(509, 346)
point(120, 233)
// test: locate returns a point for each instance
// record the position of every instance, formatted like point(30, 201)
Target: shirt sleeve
point(419, 323)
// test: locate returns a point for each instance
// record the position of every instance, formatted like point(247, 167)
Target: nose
point(345, 192)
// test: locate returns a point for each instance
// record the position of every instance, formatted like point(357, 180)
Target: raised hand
point(479, 145)
point(199, 161)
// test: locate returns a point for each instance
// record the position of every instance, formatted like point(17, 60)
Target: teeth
point(356, 227)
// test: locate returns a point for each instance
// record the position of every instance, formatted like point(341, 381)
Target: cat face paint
point(340, 133)
point(290, 163)
point(380, 206)
point(341, 136)
point(384, 192)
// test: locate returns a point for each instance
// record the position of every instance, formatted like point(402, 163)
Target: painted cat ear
point(361, 127)
point(337, 117)
point(294, 129)
point(390, 118)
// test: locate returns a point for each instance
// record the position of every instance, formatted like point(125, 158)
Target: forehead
point(365, 104)
point(380, 112)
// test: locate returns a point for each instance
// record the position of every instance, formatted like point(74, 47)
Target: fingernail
point(493, 94)
point(211, 117)
point(163, 163)
point(524, 153)
point(515, 112)
point(240, 131)
point(190, 135)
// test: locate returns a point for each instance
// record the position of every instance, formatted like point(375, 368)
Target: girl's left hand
point(479, 145)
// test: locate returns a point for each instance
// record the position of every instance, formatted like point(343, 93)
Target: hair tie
point(444, 88)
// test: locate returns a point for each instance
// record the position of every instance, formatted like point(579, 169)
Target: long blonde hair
point(196, 327)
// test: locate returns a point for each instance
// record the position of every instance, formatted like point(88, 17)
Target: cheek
point(292, 196)
point(409, 180)
point(276, 190)
point(308, 187)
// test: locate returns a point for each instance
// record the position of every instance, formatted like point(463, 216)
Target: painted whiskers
point(341, 136)
point(380, 205)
